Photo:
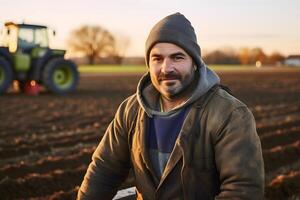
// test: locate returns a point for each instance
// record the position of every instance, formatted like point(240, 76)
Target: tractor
point(25, 57)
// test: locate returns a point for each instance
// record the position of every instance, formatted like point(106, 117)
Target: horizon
point(269, 25)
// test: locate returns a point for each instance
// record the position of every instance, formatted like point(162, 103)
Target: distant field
point(119, 69)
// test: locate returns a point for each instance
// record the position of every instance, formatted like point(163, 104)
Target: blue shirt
point(161, 137)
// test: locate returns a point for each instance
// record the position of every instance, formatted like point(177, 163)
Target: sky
point(273, 25)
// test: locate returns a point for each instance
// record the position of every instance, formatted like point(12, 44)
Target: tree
point(226, 56)
point(257, 54)
point(251, 56)
point(92, 41)
point(276, 58)
point(244, 56)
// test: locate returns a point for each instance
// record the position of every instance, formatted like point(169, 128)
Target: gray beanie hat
point(178, 30)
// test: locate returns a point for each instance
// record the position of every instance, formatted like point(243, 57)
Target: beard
point(175, 85)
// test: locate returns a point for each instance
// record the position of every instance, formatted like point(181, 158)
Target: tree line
point(243, 56)
point(96, 42)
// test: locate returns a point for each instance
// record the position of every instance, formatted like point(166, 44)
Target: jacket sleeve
point(110, 162)
point(238, 157)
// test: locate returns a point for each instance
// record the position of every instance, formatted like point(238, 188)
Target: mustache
point(168, 76)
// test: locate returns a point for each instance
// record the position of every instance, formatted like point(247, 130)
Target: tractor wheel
point(6, 75)
point(60, 76)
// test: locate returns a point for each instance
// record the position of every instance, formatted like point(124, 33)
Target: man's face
point(171, 69)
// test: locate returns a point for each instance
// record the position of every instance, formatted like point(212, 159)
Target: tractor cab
point(25, 37)
point(25, 54)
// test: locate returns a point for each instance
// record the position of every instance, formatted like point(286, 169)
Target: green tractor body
point(25, 56)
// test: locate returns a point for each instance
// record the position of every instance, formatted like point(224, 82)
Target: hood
point(148, 96)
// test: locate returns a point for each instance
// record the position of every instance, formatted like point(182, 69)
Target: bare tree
point(92, 41)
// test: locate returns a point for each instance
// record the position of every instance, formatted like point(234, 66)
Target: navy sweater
point(161, 137)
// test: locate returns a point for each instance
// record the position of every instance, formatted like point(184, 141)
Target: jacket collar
point(147, 95)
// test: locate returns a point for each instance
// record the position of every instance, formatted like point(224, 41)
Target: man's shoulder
point(223, 107)
point(130, 102)
point(129, 107)
point(127, 111)
point(222, 104)
point(223, 100)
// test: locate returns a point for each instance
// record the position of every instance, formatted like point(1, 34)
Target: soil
point(46, 141)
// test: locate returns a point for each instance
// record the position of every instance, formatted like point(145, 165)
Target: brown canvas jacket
point(217, 154)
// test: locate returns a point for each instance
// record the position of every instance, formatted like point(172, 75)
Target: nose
point(167, 66)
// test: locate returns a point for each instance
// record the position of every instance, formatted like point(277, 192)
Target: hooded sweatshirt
point(164, 127)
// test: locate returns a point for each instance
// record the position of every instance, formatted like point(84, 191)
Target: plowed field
point(46, 141)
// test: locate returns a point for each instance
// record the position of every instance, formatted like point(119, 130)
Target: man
point(181, 133)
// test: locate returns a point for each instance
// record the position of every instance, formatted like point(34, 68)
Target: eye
point(178, 58)
point(156, 59)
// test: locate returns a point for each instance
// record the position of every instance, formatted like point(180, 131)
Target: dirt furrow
point(47, 146)
point(47, 164)
point(40, 156)
point(284, 186)
point(281, 111)
point(280, 155)
point(269, 125)
point(280, 137)
point(35, 185)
